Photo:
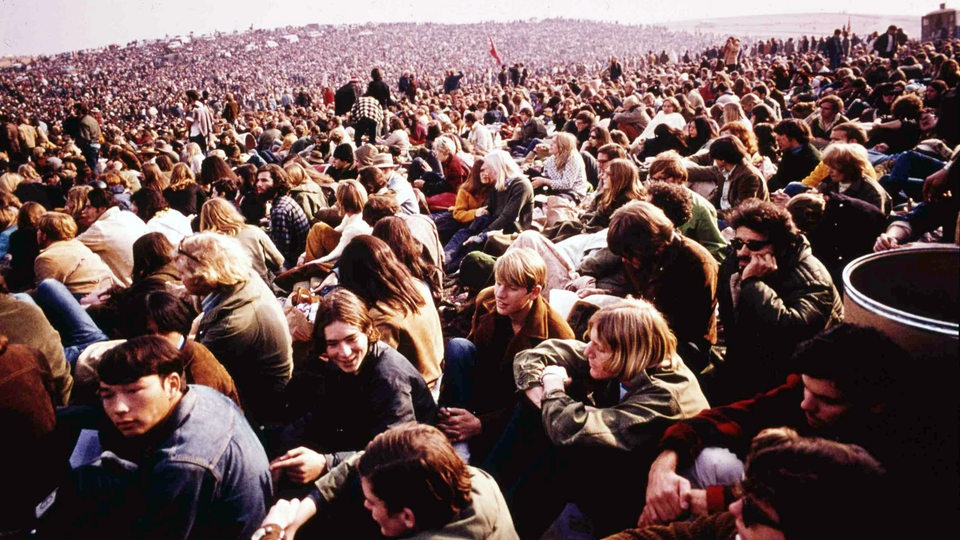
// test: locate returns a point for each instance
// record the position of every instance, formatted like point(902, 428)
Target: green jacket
point(653, 400)
point(702, 227)
point(487, 516)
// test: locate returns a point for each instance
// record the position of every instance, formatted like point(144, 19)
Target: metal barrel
point(911, 295)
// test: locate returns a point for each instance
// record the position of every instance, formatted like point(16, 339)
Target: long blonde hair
point(218, 215)
point(76, 200)
point(181, 176)
point(638, 337)
point(566, 145)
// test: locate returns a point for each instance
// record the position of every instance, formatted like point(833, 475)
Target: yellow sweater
point(465, 209)
point(821, 171)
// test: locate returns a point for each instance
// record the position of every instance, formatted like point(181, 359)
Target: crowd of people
point(250, 292)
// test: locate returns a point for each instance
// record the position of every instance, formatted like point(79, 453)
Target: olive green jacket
point(655, 399)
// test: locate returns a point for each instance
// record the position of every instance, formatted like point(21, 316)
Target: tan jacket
point(417, 336)
point(73, 264)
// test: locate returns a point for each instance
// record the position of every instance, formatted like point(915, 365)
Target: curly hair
point(765, 217)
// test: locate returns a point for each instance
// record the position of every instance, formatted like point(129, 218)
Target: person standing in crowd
point(199, 120)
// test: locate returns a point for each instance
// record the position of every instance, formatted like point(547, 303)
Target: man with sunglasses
point(773, 294)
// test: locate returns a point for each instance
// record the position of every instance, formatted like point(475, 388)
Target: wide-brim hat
point(315, 157)
point(383, 161)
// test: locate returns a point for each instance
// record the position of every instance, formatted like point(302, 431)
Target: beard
point(267, 195)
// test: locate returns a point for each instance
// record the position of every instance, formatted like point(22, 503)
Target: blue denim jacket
point(203, 474)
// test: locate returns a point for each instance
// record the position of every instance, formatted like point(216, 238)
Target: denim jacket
point(202, 473)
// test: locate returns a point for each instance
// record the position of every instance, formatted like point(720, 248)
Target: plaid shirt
point(367, 107)
point(288, 229)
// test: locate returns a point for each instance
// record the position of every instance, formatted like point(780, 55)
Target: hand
point(885, 242)
point(582, 282)
point(301, 465)
point(540, 181)
point(583, 293)
point(482, 211)
point(698, 502)
point(458, 424)
point(935, 185)
point(554, 378)
point(476, 239)
point(282, 514)
point(668, 494)
point(760, 266)
point(291, 516)
point(780, 198)
point(418, 183)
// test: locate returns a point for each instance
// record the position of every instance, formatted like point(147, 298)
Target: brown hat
point(383, 161)
point(365, 154)
point(315, 157)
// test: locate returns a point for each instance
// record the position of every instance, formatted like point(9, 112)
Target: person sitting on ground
point(24, 323)
point(478, 393)
point(563, 172)
point(184, 194)
point(410, 253)
point(639, 386)
point(370, 384)
point(64, 258)
point(150, 205)
point(400, 305)
point(168, 316)
point(242, 323)
point(288, 224)
point(180, 460)
point(646, 258)
point(839, 228)
point(731, 180)
point(798, 157)
point(221, 216)
point(792, 488)
point(509, 205)
point(471, 196)
point(111, 232)
point(851, 386)
point(847, 166)
point(702, 227)
point(412, 483)
point(773, 295)
point(325, 244)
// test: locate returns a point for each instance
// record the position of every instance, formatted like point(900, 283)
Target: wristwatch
point(268, 532)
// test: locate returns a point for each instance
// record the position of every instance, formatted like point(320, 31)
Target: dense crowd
point(280, 282)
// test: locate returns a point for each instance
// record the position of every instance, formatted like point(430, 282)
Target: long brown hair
point(623, 183)
point(369, 268)
point(473, 185)
point(409, 251)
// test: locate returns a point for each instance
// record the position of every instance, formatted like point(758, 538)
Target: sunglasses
point(752, 245)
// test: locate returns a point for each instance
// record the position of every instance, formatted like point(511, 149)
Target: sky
point(50, 26)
